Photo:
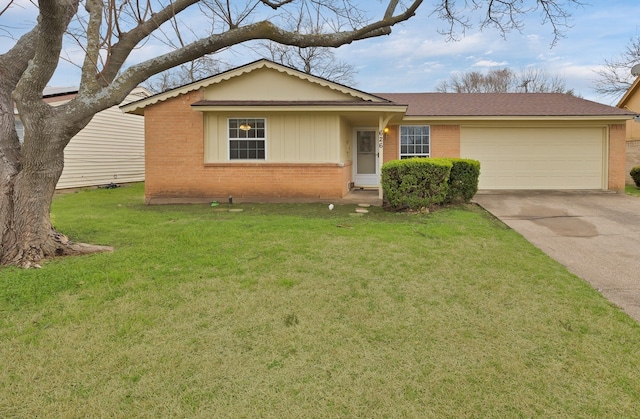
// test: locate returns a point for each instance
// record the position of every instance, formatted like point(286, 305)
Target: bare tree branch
point(319, 61)
point(615, 78)
point(6, 7)
point(504, 80)
point(504, 15)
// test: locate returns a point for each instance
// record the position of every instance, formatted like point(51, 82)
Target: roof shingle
point(500, 104)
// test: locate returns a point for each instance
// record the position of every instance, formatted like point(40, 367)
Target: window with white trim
point(247, 139)
point(414, 141)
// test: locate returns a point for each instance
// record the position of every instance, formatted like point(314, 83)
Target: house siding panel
point(291, 138)
point(109, 149)
point(346, 136)
point(270, 84)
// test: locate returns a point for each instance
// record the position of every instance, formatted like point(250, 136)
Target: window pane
point(248, 142)
point(414, 141)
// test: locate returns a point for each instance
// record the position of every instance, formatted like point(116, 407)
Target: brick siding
point(444, 142)
point(391, 146)
point(174, 158)
point(617, 153)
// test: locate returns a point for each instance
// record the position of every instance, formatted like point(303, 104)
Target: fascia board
point(306, 108)
point(136, 107)
point(598, 118)
point(629, 93)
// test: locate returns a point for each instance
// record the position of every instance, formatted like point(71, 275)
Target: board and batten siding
point(270, 84)
point(109, 149)
point(291, 137)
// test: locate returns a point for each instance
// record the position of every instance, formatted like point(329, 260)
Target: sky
point(415, 57)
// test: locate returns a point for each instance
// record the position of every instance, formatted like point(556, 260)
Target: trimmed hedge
point(416, 183)
point(463, 181)
point(420, 182)
point(635, 175)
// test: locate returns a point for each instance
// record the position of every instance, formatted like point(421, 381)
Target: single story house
point(631, 102)
point(109, 149)
point(267, 130)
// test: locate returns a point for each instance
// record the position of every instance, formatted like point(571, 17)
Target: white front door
point(365, 158)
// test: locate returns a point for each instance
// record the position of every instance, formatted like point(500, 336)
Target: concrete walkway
point(596, 235)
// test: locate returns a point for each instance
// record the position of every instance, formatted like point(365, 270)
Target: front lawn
point(291, 311)
point(632, 190)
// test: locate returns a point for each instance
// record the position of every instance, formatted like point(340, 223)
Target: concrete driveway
point(596, 235)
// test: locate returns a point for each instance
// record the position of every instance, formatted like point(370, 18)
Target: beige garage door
point(536, 158)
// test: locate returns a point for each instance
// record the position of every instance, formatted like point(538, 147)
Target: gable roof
point(629, 93)
point(137, 107)
point(419, 105)
point(502, 105)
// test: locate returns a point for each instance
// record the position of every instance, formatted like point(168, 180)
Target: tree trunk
point(26, 235)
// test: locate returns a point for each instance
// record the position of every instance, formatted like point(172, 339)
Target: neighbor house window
point(20, 130)
point(247, 138)
point(414, 141)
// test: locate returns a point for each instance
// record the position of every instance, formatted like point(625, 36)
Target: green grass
point(297, 311)
point(632, 190)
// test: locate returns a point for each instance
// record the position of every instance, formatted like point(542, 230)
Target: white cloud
point(488, 63)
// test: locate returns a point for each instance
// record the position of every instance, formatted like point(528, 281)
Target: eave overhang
point(377, 107)
point(138, 106)
point(613, 119)
point(622, 104)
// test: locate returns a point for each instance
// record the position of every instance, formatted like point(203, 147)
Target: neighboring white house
point(109, 149)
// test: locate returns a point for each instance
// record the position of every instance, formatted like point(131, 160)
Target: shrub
point(635, 175)
point(463, 181)
point(416, 183)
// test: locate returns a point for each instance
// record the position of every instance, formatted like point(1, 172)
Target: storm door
point(366, 159)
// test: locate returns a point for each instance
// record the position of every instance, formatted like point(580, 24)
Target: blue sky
point(415, 57)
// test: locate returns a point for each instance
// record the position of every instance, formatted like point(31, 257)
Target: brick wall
point(391, 146)
point(444, 142)
point(175, 168)
point(617, 153)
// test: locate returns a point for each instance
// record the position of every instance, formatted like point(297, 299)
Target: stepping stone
point(236, 210)
point(364, 205)
point(362, 210)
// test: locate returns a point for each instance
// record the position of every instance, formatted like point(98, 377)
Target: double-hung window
point(247, 139)
point(414, 141)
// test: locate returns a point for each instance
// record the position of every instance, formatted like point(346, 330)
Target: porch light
point(386, 130)
point(245, 127)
